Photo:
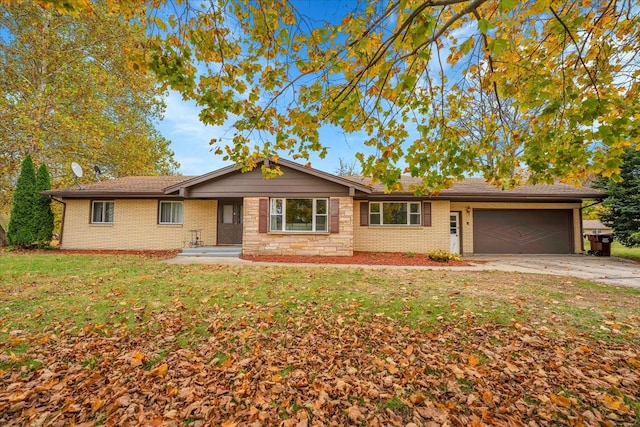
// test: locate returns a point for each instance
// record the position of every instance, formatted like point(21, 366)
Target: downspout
point(597, 202)
point(64, 209)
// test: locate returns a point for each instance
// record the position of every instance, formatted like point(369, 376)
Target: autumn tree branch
point(469, 9)
point(593, 82)
point(491, 68)
point(380, 52)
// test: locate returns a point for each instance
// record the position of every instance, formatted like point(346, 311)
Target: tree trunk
point(3, 238)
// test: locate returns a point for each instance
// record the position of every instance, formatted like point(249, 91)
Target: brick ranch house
point(309, 212)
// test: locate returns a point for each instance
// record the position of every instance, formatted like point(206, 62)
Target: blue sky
point(190, 138)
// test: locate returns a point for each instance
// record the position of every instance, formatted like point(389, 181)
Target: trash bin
point(600, 244)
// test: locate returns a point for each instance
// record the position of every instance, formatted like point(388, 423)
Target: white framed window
point(102, 212)
point(302, 215)
point(170, 212)
point(394, 213)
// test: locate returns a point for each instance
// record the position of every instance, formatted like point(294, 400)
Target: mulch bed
point(358, 258)
point(56, 251)
point(363, 258)
point(150, 254)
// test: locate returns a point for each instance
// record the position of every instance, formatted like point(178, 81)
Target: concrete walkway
point(606, 270)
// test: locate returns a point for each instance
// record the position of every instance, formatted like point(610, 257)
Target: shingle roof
point(155, 186)
point(149, 186)
point(593, 224)
point(474, 187)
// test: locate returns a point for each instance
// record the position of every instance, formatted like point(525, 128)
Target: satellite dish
point(77, 169)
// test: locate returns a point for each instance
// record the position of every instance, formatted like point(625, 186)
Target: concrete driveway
point(608, 270)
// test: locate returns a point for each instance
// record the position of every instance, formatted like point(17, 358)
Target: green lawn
point(617, 249)
point(131, 340)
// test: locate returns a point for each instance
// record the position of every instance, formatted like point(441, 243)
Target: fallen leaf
point(408, 351)
point(487, 397)
point(156, 421)
point(459, 373)
point(354, 414)
point(584, 349)
point(96, 405)
point(159, 371)
point(612, 379)
point(511, 367)
point(136, 359)
point(565, 402)
point(473, 360)
point(417, 398)
point(611, 403)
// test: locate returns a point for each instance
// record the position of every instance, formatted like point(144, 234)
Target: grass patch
point(29, 364)
point(112, 292)
point(619, 250)
point(399, 407)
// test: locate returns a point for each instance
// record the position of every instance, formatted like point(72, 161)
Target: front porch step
point(213, 251)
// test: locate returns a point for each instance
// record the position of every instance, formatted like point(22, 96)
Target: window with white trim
point(394, 213)
point(170, 212)
point(102, 212)
point(304, 215)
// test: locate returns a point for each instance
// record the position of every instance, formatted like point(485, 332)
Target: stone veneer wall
point(135, 226)
point(466, 219)
point(405, 238)
point(306, 244)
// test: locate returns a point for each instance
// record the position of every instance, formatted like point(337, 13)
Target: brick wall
point(418, 239)
point(135, 226)
point(466, 218)
point(307, 244)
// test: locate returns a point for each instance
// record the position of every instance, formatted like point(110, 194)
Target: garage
point(522, 231)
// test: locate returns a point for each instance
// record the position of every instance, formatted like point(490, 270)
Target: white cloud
point(190, 137)
point(190, 140)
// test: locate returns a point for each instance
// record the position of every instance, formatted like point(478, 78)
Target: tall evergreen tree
point(623, 202)
point(22, 224)
point(42, 212)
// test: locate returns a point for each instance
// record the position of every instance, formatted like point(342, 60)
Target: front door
point(454, 230)
point(230, 222)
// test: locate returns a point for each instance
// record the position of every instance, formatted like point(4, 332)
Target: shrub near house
point(31, 222)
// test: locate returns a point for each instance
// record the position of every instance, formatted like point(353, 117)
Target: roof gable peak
point(185, 185)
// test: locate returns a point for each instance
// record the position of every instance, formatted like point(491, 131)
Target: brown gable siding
point(292, 184)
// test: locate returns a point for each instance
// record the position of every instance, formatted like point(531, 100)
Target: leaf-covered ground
point(313, 352)
point(311, 368)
